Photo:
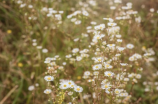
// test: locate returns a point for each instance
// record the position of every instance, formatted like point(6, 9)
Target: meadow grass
point(79, 52)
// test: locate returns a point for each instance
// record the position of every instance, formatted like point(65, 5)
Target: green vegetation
point(78, 52)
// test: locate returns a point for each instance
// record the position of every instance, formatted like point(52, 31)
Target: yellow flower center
point(49, 78)
point(78, 89)
point(107, 65)
point(144, 47)
point(79, 77)
point(20, 64)
point(9, 31)
point(109, 74)
point(106, 86)
point(98, 37)
point(47, 92)
point(116, 92)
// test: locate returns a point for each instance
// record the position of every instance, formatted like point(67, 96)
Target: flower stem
point(81, 98)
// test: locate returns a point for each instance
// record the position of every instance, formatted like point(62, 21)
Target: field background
point(22, 65)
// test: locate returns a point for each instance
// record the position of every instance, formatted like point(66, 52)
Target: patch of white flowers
point(107, 63)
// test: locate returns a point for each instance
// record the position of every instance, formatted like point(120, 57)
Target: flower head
point(108, 73)
point(78, 89)
point(111, 24)
point(49, 78)
point(47, 91)
point(97, 67)
point(64, 85)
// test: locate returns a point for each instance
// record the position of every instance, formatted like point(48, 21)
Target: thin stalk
point(82, 102)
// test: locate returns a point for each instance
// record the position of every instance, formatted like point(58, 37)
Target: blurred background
point(28, 36)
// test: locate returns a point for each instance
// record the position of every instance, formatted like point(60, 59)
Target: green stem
point(81, 98)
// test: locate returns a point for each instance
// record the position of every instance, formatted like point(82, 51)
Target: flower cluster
point(98, 50)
